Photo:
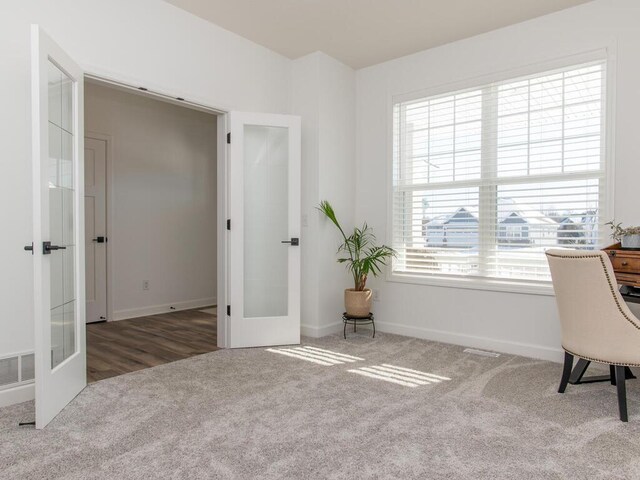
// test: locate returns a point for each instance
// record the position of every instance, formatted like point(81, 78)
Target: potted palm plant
point(362, 257)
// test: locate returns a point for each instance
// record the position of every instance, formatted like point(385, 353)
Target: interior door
point(264, 235)
point(95, 224)
point(58, 248)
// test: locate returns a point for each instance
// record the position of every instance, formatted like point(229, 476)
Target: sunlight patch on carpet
point(316, 355)
point(343, 356)
point(399, 375)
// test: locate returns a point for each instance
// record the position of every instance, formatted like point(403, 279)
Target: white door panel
point(95, 214)
point(58, 248)
point(264, 272)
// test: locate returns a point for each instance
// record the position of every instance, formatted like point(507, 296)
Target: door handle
point(47, 248)
point(99, 239)
point(294, 242)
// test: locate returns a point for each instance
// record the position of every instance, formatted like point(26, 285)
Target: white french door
point(58, 243)
point(95, 224)
point(264, 235)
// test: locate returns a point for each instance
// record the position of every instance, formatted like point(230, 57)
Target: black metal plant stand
point(355, 321)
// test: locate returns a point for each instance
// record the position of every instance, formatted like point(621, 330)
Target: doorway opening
point(151, 221)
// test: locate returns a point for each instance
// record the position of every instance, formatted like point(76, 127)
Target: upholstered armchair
point(596, 323)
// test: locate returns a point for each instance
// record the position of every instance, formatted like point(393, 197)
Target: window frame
point(606, 54)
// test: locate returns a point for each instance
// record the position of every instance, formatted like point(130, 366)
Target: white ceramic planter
point(630, 241)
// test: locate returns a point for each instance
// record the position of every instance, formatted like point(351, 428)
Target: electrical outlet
point(145, 285)
point(376, 295)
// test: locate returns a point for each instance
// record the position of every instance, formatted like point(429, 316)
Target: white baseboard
point(502, 346)
point(323, 331)
point(485, 343)
point(19, 394)
point(157, 309)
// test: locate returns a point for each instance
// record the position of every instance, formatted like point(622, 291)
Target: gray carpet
point(258, 414)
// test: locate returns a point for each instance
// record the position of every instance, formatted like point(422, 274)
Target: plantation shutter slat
point(486, 179)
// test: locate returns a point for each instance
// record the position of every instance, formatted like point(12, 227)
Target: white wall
point(305, 101)
point(324, 96)
point(162, 200)
point(145, 42)
point(525, 324)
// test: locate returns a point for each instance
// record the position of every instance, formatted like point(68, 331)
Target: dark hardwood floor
point(114, 348)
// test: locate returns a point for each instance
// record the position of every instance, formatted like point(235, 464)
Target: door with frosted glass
point(58, 248)
point(264, 235)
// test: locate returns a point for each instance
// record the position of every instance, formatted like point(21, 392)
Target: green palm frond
point(364, 257)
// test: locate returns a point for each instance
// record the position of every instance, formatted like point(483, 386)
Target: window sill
point(476, 283)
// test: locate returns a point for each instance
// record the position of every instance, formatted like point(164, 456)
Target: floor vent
point(482, 353)
point(16, 370)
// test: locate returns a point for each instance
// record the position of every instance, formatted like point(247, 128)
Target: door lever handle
point(294, 242)
point(47, 248)
point(99, 239)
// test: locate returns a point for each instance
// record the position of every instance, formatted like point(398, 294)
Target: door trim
point(108, 139)
point(222, 178)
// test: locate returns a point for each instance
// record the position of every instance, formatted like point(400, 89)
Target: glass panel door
point(266, 273)
point(263, 242)
point(61, 214)
point(57, 139)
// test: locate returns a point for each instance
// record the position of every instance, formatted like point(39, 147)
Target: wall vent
point(27, 367)
point(482, 353)
point(9, 372)
point(17, 370)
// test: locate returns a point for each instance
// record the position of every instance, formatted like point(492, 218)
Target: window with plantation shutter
point(485, 179)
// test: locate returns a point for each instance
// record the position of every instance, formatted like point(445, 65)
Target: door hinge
point(228, 224)
point(228, 310)
point(229, 137)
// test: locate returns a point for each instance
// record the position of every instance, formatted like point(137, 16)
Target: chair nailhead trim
point(601, 361)
point(611, 287)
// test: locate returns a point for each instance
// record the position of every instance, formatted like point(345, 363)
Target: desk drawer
point(625, 264)
point(630, 279)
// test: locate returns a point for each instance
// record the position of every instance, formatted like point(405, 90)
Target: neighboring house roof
point(508, 210)
point(582, 218)
point(462, 215)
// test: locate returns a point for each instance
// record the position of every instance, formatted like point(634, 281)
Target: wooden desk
point(626, 266)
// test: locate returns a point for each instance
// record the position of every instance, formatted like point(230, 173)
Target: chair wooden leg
point(622, 392)
point(612, 374)
point(566, 371)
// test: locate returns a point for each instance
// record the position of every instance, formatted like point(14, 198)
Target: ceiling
point(360, 33)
